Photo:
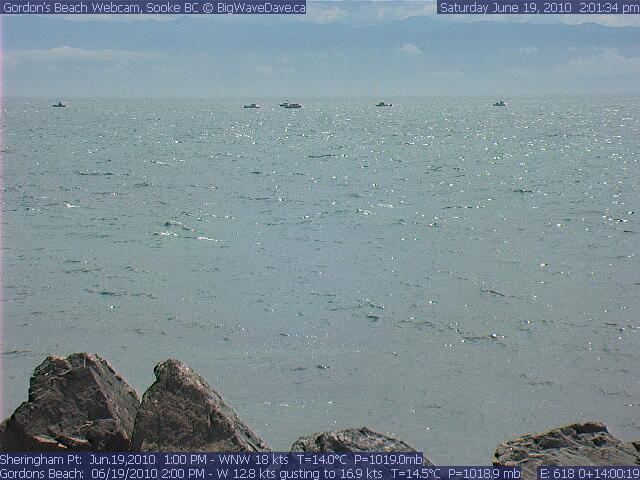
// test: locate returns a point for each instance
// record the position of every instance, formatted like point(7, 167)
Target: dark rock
point(181, 412)
point(75, 403)
point(352, 440)
point(578, 444)
point(3, 427)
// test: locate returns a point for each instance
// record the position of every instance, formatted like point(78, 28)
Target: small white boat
point(253, 105)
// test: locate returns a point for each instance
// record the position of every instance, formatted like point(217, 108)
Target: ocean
point(442, 270)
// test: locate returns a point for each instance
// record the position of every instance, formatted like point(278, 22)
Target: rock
point(75, 403)
point(181, 412)
point(578, 444)
point(3, 427)
point(352, 440)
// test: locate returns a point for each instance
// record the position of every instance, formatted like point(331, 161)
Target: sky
point(340, 48)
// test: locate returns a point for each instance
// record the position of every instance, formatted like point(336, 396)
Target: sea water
point(449, 272)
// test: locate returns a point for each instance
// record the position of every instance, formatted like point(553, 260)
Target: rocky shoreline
point(81, 403)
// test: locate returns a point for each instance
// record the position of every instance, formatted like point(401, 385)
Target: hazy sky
point(382, 49)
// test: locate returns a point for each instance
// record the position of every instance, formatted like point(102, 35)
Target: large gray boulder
point(181, 412)
point(352, 440)
point(75, 403)
point(587, 443)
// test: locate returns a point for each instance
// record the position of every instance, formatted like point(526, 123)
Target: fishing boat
point(293, 105)
point(382, 104)
point(253, 105)
point(500, 103)
point(59, 104)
